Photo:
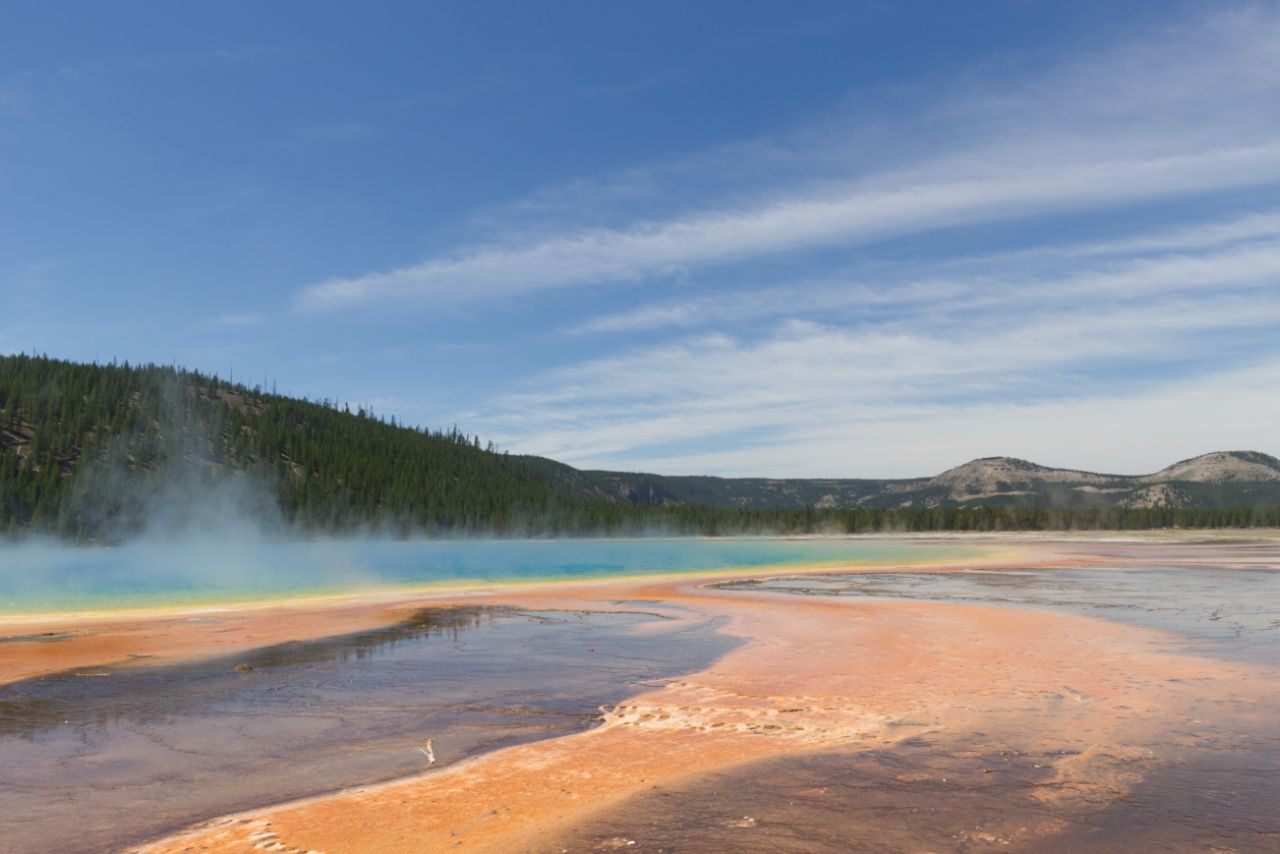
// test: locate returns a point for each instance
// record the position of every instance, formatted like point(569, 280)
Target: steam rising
point(181, 524)
point(187, 523)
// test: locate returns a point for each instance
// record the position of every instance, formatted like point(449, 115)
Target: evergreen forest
point(100, 452)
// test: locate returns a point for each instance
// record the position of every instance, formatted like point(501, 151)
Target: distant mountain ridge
point(99, 453)
point(1220, 478)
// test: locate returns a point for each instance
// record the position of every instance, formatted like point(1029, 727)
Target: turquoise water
point(47, 578)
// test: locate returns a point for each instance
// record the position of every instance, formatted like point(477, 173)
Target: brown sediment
point(813, 676)
point(35, 648)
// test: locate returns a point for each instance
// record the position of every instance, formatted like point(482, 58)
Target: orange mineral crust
point(811, 675)
point(38, 645)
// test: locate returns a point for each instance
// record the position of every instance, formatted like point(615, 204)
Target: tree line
point(92, 452)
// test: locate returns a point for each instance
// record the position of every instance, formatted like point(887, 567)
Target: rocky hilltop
point(1218, 479)
point(1221, 467)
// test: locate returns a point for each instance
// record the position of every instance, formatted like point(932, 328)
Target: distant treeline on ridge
point(98, 453)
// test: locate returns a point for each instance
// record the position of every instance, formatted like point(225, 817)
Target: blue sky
point(844, 239)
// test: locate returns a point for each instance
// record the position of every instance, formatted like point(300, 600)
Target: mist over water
point(179, 519)
point(232, 563)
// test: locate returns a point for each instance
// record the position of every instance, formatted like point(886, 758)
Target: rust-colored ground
point(164, 638)
point(813, 675)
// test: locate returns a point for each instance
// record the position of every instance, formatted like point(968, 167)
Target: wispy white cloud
point(1116, 430)
point(1132, 348)
point(775, 406)
point(1176, 114)
point(945, 349)
point(858, 215)
point(1006, 281)
point(1185, 238)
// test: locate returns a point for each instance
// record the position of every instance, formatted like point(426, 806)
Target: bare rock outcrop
point(1159, 495)
point(1220, 467)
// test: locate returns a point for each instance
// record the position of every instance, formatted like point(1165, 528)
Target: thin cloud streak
point(604, 411)
point(1121, 431)
point(605, 255)
point(1091, 333)
point(1115, 428)
point(1254, 263)
point(1161, 127)
point(1152, 344)
point(1045, 326)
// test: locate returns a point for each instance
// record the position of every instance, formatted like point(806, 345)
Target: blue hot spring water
point(41, 578)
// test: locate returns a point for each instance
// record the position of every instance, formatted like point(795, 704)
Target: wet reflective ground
point(938, 793)
point(1221, 612)
point(94, 759)
point(1206, 780)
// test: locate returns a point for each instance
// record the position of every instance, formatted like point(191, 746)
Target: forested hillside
point(83, 448)
point(97, 453)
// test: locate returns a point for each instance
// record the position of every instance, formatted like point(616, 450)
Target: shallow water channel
point(95, 759)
